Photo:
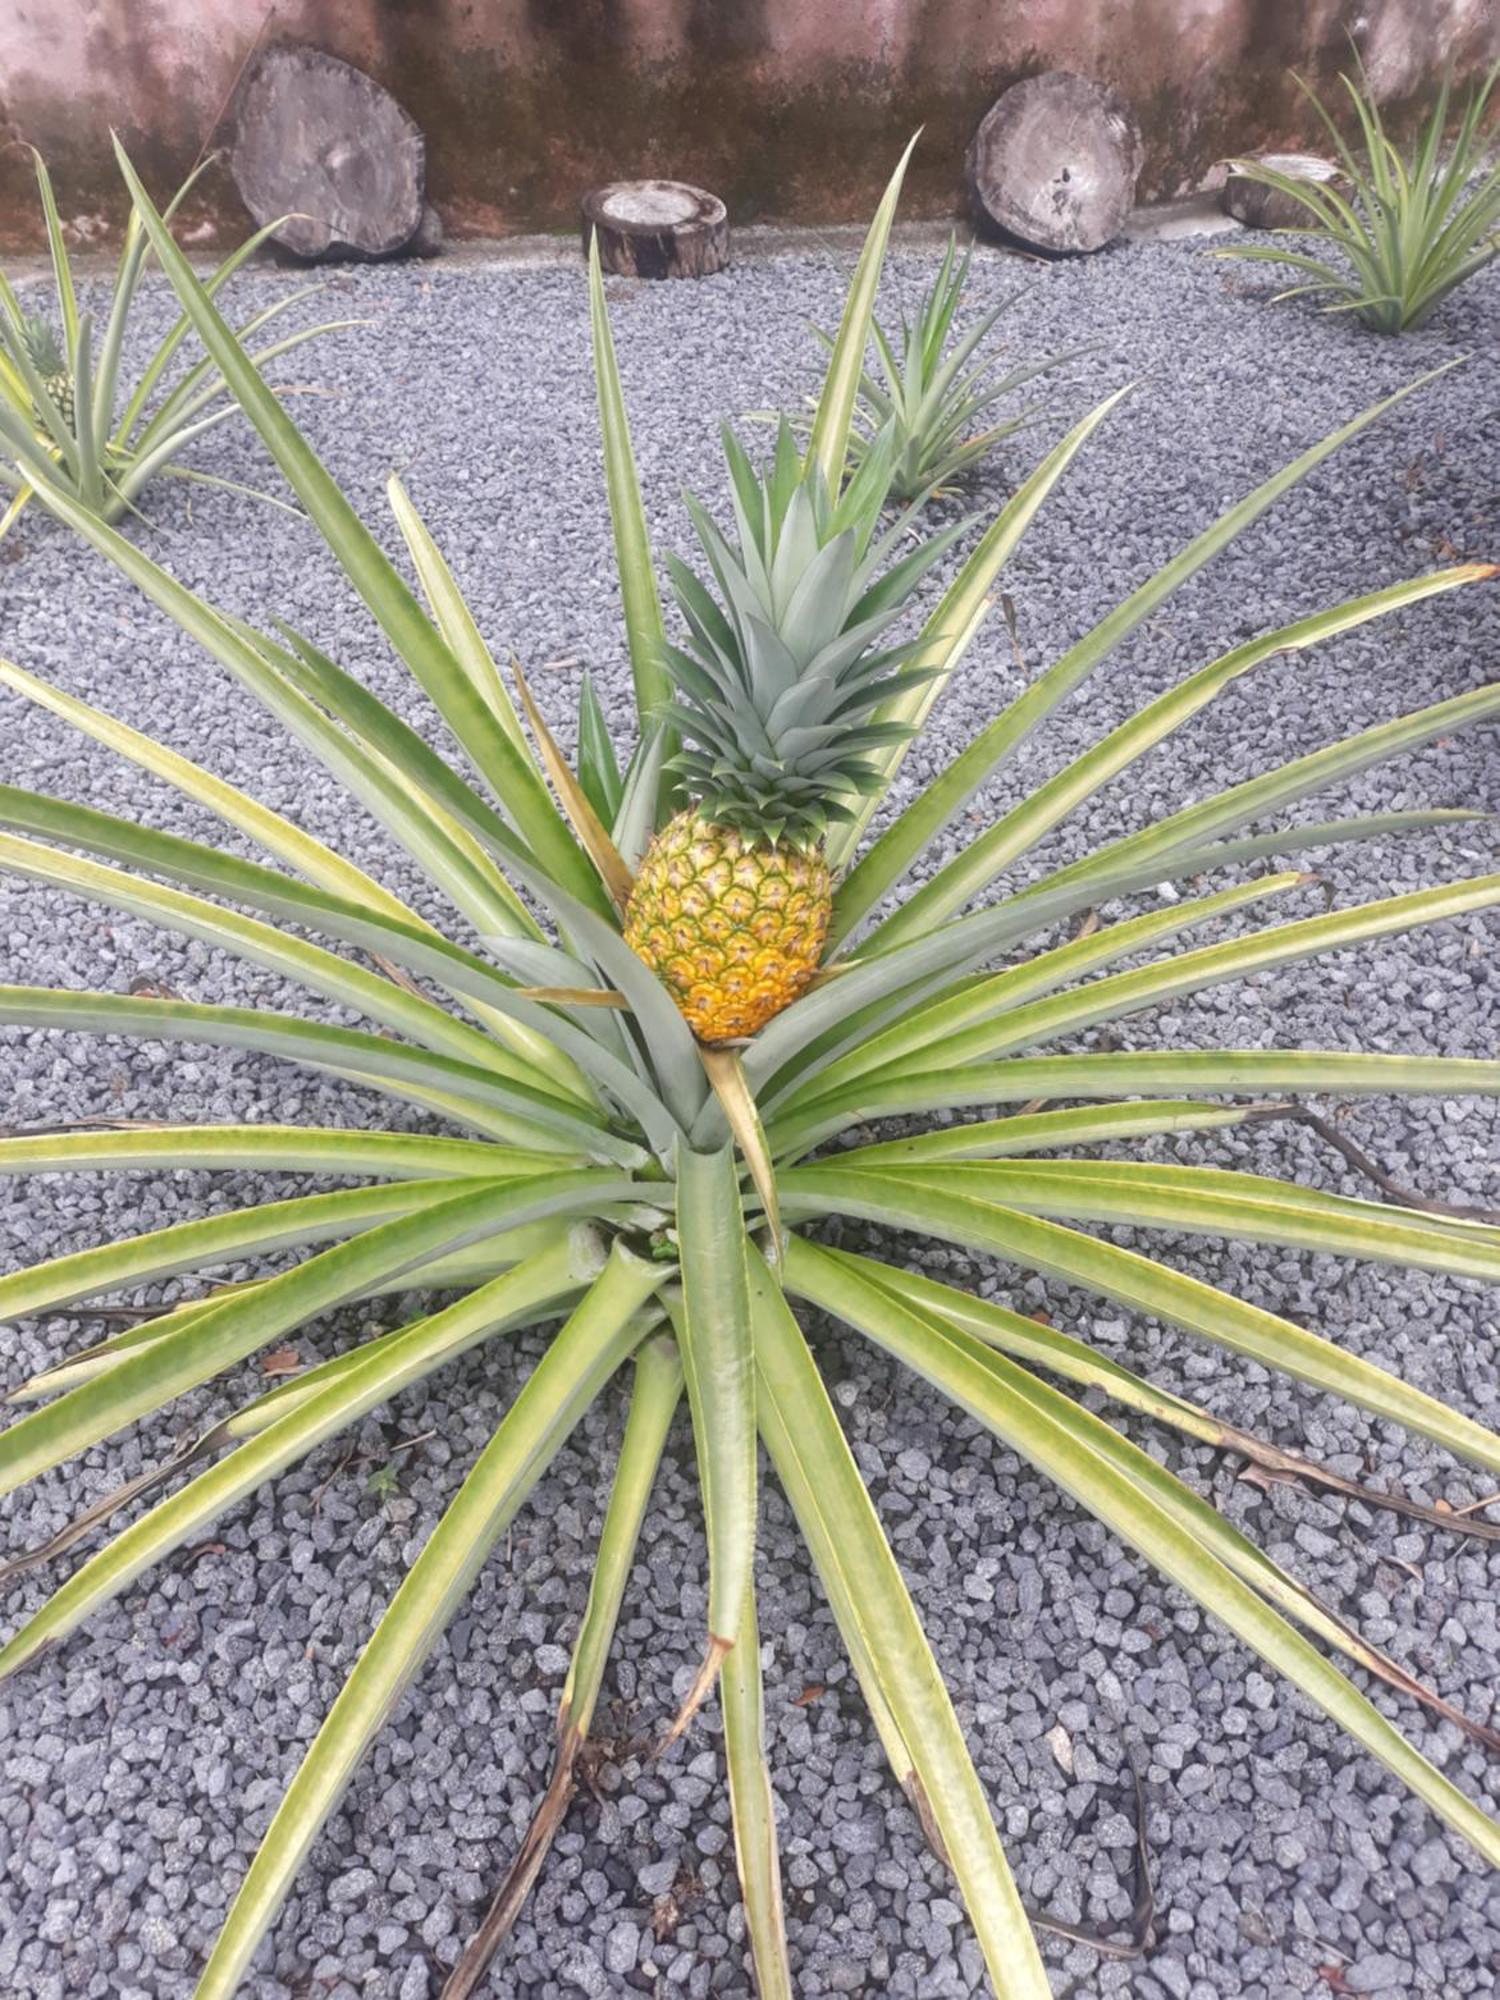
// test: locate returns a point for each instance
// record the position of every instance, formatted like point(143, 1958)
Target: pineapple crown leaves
point(42, 345)
point(781, 671)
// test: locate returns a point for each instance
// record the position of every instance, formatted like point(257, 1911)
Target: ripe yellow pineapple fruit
point(734, 929)
point(773, 696)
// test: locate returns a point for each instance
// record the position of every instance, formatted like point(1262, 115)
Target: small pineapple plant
point(933, 406)
point(645, 1154)
point(61, 418)
point(1414, 225)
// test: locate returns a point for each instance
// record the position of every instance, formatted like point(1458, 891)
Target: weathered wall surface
point(790, 109)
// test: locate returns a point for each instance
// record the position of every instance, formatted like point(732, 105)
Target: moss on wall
point(787, 112)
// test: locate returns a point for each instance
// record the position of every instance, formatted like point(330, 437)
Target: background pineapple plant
point(931, 407)
point(1405, 228)
point(66, 417)
point(591, 1159)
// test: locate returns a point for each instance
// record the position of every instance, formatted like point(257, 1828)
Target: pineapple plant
point(1411, 226)
point(935, 407)
point(660, 1197)
point(63, 417)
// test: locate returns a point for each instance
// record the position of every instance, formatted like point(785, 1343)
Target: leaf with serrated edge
point(1137, 1281)
point(714, 1336)
point(223, 1333)
point(602, 1331)
point(1064, 1441)
point(817, 1469)
point(338, 1397)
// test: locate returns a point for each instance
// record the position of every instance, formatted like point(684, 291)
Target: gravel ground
point(141, 1763)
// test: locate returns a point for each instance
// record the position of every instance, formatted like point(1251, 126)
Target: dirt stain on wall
point(785, 113)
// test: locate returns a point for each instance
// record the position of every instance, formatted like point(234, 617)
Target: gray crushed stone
point(139, 1765)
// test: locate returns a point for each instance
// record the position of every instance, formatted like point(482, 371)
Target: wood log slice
point(429, 236)
point(1055, 161)
point(657, 229)
point(1262, 207)
point(320, 142)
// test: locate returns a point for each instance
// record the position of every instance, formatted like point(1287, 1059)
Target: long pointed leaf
point(1036, 1345)
point(1013, 835)
point(371, 572)
point(62, 270)
point(294, 1149)
point(1177, 844)
point(543, 1119)
point(455, 620)
point(718, 1360)
point(278, 836)
point(644, 629)
point(942, 644)
point(1220, 1072)
point(921, 1035)
point(1143, 1284)
point(1126, 993)
point(204, 1241)
point(822, 1481)
point(575, 1368)
point(363, 1380)
point(1207, 1201)
point(913, 832)
point(828, 444)
point(432, 813)
point(223, 1333)
point(322, 972)
point(414, 945)
point(754, 1808)
point(1038, 1131)
point(1065, 1442)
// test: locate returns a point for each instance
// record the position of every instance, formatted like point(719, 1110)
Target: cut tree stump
point(657, 229)
point(1055, 162)
point(1262, 207)
point(320, 142)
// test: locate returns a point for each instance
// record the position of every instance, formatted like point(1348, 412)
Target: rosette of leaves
point(68, 416)
point(591, 1163)
point(1410, 228)
point(935, 406)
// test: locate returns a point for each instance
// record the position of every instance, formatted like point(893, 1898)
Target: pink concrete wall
point(788, 108)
